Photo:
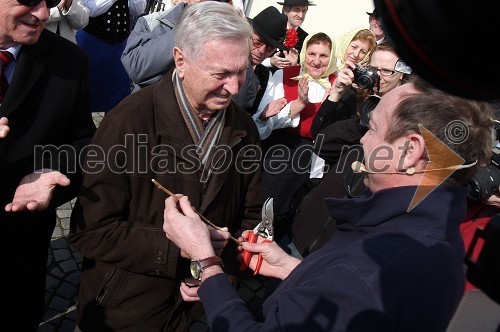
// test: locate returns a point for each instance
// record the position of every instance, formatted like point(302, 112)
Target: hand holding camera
point(343, 80)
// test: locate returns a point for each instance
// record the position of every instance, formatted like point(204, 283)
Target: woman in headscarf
point(353, 48)
point(292, 92)
point(284, 117)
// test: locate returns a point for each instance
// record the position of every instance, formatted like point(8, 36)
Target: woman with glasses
point(345, 100)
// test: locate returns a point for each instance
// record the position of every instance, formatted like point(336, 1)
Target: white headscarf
point(342, 43)
point(332, 64)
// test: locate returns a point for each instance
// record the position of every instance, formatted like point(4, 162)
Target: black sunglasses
point(34, 3)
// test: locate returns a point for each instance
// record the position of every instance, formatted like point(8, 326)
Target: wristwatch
point(197, 267)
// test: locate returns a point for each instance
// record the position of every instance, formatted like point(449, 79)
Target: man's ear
point(180, 61)
point(413, 151)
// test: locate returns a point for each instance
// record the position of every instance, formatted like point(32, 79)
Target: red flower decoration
point(291, 38)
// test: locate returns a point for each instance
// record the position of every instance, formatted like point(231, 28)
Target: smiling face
point(357, 50)
point(296, 15)
point(215, 76)
point(317, 59)
point(389, 79)
point(21, 24)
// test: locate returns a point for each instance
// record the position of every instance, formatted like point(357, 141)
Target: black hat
point(374, 13)
point(270, 24)
point(296, 2)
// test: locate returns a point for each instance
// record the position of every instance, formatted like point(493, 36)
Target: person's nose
point(41, 11)
point(232, 85)
point(363, 139)
point(357, 54)
point(264, 49)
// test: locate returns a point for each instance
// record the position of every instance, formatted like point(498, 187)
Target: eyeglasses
point(257, 43)
point(386, 72)
point(34, 3)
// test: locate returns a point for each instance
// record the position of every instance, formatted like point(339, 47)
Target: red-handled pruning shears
point(264, 229)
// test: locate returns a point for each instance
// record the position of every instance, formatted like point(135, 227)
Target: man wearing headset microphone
point(396, 259)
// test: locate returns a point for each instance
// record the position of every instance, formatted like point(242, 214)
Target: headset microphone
point(359, 167)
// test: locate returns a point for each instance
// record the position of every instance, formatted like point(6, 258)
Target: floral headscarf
point(342, 43)
point(332, 64)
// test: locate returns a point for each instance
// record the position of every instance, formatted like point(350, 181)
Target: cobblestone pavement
point(63, 277)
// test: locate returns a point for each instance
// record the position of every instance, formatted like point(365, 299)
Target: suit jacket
point(302, 36)
point(47, 103)
point(131, 270)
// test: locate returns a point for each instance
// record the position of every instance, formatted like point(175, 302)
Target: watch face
point(195, 270)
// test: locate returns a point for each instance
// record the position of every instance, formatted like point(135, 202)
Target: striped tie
point(5, 58)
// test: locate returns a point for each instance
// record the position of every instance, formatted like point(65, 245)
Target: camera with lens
point(366, 77)
point(486, 180)
point(366, 109)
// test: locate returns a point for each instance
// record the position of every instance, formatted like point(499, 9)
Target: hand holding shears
point(264, 229)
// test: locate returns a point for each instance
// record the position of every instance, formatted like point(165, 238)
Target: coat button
point(159, 258)
point(158, 272)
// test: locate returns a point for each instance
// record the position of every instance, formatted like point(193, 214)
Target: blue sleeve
point(335, 299)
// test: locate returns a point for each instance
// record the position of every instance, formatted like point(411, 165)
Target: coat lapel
point(29, 68)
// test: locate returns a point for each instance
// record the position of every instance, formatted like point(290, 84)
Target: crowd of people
point(225, 111)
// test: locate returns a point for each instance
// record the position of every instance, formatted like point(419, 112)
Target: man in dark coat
point(186, 133)
point(45, 122)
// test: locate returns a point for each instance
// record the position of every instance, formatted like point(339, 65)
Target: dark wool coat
point(131, 271)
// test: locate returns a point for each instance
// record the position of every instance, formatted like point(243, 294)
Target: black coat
point(47, 103)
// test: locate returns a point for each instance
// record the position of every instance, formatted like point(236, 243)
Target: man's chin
point(28, 38)
point(219, 104)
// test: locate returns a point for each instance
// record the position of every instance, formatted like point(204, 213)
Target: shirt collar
point(14, 50)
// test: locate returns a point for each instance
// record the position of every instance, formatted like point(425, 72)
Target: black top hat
point(270, 24)
point(374, 13)
point(296, 2)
